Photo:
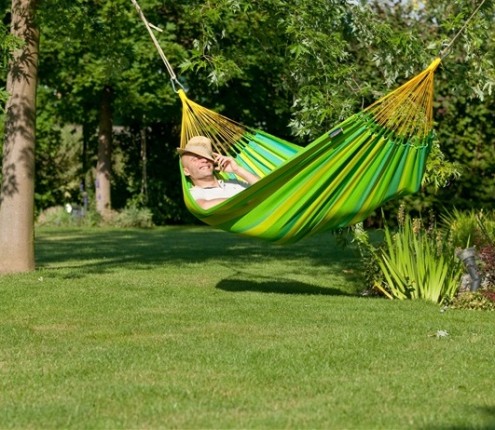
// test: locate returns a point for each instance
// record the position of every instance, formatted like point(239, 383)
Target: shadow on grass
point(88, 251)
point(488, 412)
point(277, 287)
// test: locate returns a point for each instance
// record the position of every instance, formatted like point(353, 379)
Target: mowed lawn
point(192, 328)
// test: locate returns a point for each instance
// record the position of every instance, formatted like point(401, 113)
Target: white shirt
point(224, 190)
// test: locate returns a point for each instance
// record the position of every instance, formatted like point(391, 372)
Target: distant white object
point(76, 211)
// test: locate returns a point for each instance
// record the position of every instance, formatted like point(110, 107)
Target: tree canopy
point(293, 68)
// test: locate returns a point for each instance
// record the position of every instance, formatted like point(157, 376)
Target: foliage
point(291, 68)
point(366, 246)
point(162, 192)
point(237, 62)
point(59, 216)
point(478, 300)
point(76, 67)
point(440, 172)
point(415, 262)
point(8, 43)
point(469, 227)
point(89, 46)
point(466, 134)
point(474, 229)
point(389, 263)
point(486, 256)
point(133, 217)
point(58, 162)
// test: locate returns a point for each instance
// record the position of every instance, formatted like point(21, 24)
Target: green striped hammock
point(338, 180)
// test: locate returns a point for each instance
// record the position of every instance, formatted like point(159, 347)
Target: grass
point(195, 328)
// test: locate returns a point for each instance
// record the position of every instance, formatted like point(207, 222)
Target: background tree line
point(108, 121)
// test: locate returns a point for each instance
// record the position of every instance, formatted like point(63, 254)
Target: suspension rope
point(445, 50)
point(149, 27)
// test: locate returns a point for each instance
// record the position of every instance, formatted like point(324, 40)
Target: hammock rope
point(445, 51)
point(173, 78)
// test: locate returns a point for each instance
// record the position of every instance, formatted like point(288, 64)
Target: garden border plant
point(414, 261)
point(419, 260)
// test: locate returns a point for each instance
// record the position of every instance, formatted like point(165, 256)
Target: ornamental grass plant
point(194, 328)
point(418, 262)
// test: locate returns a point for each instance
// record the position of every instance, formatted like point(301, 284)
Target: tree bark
point(17, 187)
point(104, 164)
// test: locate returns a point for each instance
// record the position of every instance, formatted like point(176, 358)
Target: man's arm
point(229, 165)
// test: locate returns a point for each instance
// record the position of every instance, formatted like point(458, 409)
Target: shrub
point(487, 265)
point(59, 216)
point(477, 300)
point(414, 262)
point(55, 216)
point(470, 228)
point(476, 229)
point(133, 217)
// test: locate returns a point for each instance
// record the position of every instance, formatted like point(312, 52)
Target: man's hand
point(225, 163)
point(229, 165)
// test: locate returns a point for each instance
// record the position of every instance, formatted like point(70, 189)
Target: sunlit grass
point(194, 328)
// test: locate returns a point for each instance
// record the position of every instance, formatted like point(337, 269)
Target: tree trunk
point(84, 162)
point(17, 188)
point(144, 167)
point(104, 165)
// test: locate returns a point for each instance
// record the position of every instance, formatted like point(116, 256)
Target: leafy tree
point(104, 73)
point(338, 56)
point(467, 135)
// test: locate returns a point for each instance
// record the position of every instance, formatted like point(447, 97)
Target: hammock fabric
point(336, 181)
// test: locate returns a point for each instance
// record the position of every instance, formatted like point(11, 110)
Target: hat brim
point(183, 151)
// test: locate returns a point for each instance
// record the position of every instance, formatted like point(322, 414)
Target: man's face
point(197, 167)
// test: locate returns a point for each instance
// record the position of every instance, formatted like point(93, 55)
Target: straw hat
point(198, 145)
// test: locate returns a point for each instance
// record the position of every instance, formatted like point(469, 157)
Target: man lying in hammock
point(199, 163)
